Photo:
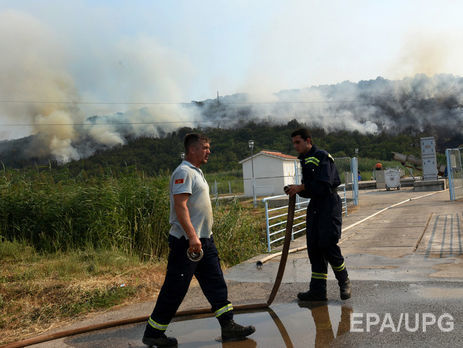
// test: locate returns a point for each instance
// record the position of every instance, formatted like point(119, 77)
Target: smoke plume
point(370, 106)
point(40, 97)
point(61, 111)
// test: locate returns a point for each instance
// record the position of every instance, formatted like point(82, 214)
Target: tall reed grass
point(52, 214)
point(57, 212)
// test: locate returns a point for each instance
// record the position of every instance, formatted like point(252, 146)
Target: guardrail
point(276, 221)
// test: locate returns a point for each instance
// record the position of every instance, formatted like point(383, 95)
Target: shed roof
point(274, 154)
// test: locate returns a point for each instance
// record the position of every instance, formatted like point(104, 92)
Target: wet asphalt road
point(371, 318)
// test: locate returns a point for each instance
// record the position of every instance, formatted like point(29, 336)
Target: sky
point(179, 51)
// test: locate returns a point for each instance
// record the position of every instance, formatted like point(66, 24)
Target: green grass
point(22, 263)
point(88, 300)
point(59, 213)
point(227, 182)
point(238, 234)
point(128, 213)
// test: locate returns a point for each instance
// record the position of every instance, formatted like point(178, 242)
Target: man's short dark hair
point(304, 133)
point(192, 139)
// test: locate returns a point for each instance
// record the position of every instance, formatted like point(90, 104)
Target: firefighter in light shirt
point(191, 229)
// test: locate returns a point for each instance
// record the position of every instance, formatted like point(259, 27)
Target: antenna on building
point(218, 101)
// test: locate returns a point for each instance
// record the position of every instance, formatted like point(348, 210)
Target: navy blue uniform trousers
point(324, 219)
point(180, 271)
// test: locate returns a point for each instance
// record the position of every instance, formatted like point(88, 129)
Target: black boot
point(157, 338)
point(312, 295)
point(232, 331)
point(345, 290)
point(161, 341)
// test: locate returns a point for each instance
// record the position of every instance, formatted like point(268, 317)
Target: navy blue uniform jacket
point(324, 213)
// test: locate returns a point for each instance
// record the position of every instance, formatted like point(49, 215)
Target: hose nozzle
point(195, 256)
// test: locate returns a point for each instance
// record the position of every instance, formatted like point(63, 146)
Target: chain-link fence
point(226, 187)
point(455, 173)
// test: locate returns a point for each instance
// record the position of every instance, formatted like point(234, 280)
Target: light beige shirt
point(187, 178)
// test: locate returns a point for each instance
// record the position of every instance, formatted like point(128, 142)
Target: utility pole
point(251, 146)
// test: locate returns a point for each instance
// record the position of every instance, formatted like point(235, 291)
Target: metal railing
point(275, 220)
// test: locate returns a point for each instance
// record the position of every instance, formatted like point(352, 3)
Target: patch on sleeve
point(179, 181)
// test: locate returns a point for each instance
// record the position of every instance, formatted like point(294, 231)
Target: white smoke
point(41, 86)
point(37, 89)
point(56, 132)
point(33, 79)
point(367, 106)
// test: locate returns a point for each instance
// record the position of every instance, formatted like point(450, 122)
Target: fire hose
point(192, 312)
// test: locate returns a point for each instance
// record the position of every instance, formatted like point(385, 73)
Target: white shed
point(272, 171)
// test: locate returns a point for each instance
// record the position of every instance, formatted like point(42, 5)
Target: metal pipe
point(269, 247)
point(417, 162)
point(254, 201)
point(276, 286)
point(355, 181)
point(345, 198)
point(450, 174)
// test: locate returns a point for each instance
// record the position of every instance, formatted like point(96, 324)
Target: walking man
point(191, 229)
point(324, 217)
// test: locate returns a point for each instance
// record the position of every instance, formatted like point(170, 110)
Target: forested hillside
point(229, 146)
point(376, 116)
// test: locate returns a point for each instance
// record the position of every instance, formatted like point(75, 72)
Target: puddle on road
point(284, 325)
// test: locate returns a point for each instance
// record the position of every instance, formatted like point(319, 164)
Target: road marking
point(269, 257)
point(383, 210)
point(445, 238)
point(428, 249)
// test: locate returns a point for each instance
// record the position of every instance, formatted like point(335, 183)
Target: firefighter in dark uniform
point(320, 179)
